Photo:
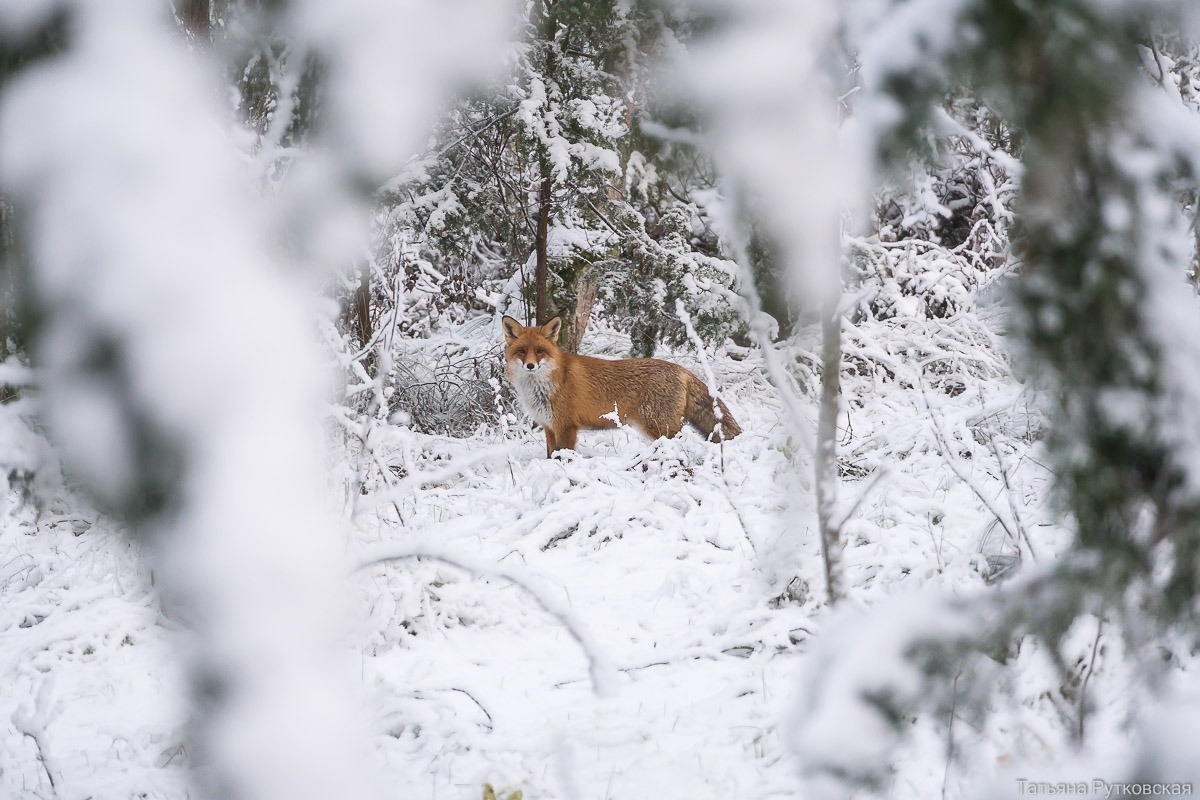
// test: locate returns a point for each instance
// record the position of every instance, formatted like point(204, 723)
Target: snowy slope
point(683, 578)
point(667, 554)
point(93, 688)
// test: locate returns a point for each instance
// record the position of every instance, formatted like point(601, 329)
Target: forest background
point(939, 257)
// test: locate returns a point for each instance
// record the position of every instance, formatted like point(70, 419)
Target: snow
point(770, 122)
point(385, 97)
point(838, 726)
point(660, 572)
point(152, 278)
point(93, 666)
point(422, 613)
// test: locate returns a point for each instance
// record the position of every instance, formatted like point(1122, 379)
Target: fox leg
point(551, 444)
point(566, 438)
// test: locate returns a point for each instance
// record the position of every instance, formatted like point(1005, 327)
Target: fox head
point(530, 348)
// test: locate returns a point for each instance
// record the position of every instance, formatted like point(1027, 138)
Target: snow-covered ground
point(627, 621)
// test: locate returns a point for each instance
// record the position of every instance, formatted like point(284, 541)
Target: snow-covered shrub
point(30, 475)
point(962, 177)
point(941, 227)
point(455, 394)
point(914, 277)
point(422, 290)
point(669, 263)
point(1106, 323)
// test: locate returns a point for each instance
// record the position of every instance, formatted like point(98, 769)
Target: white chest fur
point(533, 389)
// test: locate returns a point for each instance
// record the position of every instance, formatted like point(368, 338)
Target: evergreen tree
point(550, 180)
point(1101, 238)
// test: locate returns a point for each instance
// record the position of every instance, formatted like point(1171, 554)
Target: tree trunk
point(768, 275)
point(11, 329)
point(575, 323)
point(359, 315)
point(542, 255)
point(546, 187)
point(1196, 240)
point(826, 456)
point(646, 328)
point(196, 17)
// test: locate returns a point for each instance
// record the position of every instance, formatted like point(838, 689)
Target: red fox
point(564, 392)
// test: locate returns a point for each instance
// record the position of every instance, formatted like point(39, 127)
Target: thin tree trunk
point(360, 316)
point(647, 325)
point(196, 17)
point(546, 187)
point(826, 455)
point(587, 285)
point(1196, 240)
point(10, 323)
point(542, 256)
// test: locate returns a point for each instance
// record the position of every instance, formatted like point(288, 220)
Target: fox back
point(566, 393)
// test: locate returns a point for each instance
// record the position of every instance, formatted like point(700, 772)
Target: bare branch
point(599, 669)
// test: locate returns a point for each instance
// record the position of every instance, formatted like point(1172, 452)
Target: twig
point(727, 493)
point(952, 462)
point(879, 475)
point(482, 127)
point(1022, 531)
point(32, 724)
point(1012, 499)
point(378, 404)
point(1088, 676)
point(950, 732)
point(419, 694)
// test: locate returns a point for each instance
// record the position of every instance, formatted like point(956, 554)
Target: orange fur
point(566, 393)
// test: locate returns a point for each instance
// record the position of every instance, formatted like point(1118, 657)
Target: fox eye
point(519, 353)
point(541, 353)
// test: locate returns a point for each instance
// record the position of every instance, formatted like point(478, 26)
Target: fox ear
point(512, 328)
point(552, 328)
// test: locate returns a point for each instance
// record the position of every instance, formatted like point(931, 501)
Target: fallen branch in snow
point(725, 491)
point(1012, 498)
point(32, 724)
point(491, 724)
point(952, 461)
point(36, 736)
point(599, 670)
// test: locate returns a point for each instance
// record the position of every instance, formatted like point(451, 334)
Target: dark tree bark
point(359, 316)
point(541, 245)
point(546, 175)
point(196, 17)
point(645, 330)
point(578, 308)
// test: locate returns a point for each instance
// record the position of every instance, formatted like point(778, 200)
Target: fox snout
point(530, 362)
